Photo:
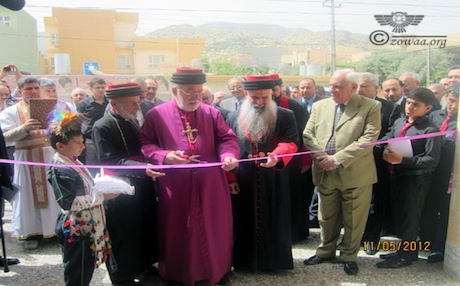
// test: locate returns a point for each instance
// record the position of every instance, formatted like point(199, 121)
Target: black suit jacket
point(403, 107)
point(448, 144)
point(5, 176)
point(304, 105)
point(436, 106)
point(146, 106)
point(389, 113)
point(224, 112)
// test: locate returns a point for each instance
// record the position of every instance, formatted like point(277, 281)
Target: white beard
point(257, 123)
point(188, 108)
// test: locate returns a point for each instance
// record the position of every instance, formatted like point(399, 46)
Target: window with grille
point(6, 20)
point(55, 39)
point(156, 61)
point(124, 62)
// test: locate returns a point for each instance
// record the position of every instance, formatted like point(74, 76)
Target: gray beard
point(258, 124)
point(126, 115)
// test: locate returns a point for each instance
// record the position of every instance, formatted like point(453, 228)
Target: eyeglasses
point(238, 87)
point(194, 93)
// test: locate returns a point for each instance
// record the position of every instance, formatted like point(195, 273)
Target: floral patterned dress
point(83, 215)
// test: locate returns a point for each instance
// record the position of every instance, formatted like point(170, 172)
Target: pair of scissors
point(194, 158)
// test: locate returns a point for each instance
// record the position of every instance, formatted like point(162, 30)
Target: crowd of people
point(218, 184)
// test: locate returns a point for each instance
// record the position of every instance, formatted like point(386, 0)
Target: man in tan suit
point(344, 172)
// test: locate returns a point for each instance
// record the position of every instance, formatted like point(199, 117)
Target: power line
point(294, 12)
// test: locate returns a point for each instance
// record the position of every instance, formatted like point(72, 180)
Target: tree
point(390, 63)
point(225, 67)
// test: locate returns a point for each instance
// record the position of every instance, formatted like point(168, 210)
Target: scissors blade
point(194, 158)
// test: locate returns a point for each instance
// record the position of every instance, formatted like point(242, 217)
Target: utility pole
point(333, 57)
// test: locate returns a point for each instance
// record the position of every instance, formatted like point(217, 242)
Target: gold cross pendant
point(189, 132)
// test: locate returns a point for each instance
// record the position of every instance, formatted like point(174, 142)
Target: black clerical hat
point(276, 79)
point(125, 89)
point(188, 76)
point(254, 82)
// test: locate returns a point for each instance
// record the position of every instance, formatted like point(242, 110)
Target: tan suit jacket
point(360, 123)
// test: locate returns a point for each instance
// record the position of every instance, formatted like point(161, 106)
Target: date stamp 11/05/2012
point(398, 245)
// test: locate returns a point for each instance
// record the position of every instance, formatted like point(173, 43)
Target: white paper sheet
point(403, 147)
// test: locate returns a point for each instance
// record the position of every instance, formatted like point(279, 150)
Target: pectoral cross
point(189, 132)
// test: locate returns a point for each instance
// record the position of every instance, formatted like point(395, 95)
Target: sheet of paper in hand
point(112, 185)
point(40, 108)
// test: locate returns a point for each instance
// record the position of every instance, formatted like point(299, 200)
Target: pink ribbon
point(208, 165)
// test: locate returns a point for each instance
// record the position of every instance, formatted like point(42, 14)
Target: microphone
point(14, 5)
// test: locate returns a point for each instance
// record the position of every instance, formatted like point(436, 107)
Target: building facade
point(18, 40)
point(107, 39)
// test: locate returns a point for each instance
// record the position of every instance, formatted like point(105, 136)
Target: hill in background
point(230, 39)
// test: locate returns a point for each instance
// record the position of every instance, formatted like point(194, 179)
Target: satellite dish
point(93, 69)
point(14, 5)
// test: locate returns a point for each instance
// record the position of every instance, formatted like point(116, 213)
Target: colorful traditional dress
point(81, 226)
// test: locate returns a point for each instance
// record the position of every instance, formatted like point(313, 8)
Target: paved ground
point(43, 267)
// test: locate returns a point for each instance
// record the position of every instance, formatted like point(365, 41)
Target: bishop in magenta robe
point(194, 207)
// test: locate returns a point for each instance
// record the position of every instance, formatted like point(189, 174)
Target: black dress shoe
point(369, 248)
point(151, 271)
point(10, 261)
point(315, 259)
point(395, 262)
point(350, 267)
point(388, 255)
point(435, 257)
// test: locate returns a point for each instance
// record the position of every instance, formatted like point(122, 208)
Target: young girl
point(81, 226)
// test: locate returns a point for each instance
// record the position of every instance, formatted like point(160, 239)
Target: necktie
point(237, 105)
point(444, 124)
point(403, 131)
point(338, 114)
point(307, 106)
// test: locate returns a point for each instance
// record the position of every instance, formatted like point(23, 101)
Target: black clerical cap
point(125, 89)
point(254, 82)
point(14, 5)
point(276, 79)
point(188, 76)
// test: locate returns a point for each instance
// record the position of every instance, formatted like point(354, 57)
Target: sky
point(440, 17)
